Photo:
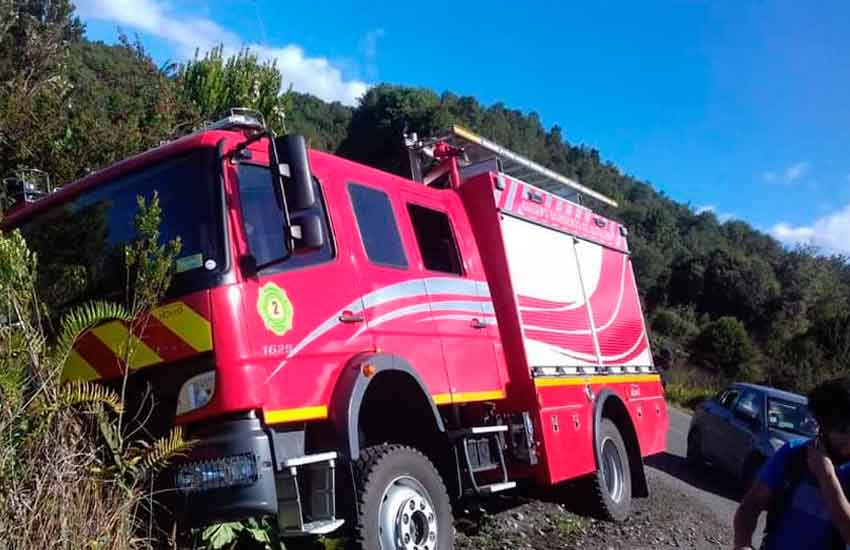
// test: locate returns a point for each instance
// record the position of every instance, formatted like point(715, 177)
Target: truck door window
point(435, 239)
point(378, 228)
point(264, 222)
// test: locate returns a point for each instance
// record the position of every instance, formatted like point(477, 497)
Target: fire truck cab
point(345, 344)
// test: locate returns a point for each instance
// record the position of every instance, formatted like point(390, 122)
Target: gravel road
point(688, 508)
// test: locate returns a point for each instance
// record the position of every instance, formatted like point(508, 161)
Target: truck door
point(459, 299)
point(394, 288)
point(292, 308)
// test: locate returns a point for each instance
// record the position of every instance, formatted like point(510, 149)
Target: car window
point(751, 403)
point(727, 398)
point(791, 417)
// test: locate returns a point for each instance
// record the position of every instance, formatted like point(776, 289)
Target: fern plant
point(43, 417)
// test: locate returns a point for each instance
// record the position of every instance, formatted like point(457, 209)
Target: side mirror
point(308, 231)
point(747, 415)
point(292, 151)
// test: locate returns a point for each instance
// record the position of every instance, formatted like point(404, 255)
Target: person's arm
point(836, 502)
point(757, 499)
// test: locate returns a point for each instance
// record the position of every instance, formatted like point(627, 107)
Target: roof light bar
point(535, 168)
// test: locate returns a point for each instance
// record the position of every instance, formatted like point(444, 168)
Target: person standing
point(804, 486)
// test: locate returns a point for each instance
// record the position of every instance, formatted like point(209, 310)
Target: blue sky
point(738, 107)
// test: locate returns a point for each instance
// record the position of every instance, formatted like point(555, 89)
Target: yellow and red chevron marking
point(169, 333)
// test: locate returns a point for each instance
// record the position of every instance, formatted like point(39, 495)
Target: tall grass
point(71, 474)
point(688, 386)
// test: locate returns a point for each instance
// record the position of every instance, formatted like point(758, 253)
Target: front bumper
point(230, 438)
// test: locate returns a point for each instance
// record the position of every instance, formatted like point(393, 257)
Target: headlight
point(196, 392)
point(230, 471)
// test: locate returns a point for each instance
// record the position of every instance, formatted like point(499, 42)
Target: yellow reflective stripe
point(578, 380)
point(466, 397)
point(187, 324)
point(115, 336)
point(295, 415)
point(77, 368)
point(442, 398)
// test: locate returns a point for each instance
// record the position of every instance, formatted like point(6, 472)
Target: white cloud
point(314, 75)
point(722, 217)
point(796, 171)
point(830, 232)
point(789, 175)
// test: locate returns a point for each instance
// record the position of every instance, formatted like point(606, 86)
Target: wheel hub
point(407, 520)
point(612, 470)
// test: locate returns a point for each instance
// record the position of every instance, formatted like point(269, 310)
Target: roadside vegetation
point(74, 471)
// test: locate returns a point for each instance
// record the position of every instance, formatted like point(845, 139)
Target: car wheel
point(694, 454)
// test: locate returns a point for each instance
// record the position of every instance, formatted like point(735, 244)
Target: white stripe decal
point(473, 309)
point(407, 289)
point(486, 320)
point(586, 331)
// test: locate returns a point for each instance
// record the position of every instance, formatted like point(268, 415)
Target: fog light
point(196, 392)
point(230, 471)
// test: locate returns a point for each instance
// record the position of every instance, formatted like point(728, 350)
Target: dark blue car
point(740, 428)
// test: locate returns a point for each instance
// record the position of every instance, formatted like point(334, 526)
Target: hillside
point(719, 295)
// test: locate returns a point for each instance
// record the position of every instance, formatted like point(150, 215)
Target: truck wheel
point(402, 501)
point(611, 485)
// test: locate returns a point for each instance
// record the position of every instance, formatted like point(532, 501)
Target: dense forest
point(721, 297)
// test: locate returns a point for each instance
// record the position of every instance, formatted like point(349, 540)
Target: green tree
point(211, 85)
point(723, 346)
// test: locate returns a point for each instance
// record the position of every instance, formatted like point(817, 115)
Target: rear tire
point(402, 501)
point(611, 485)
point(694, 454)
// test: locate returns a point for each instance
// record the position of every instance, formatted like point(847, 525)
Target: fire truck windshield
point(80, 243)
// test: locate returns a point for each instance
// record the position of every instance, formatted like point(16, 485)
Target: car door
point(715, 423)
point(745, 423)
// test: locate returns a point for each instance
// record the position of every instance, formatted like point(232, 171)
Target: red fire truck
point(343, 343)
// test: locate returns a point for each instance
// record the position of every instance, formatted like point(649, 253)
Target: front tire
point(402, 501)
point(611, 485)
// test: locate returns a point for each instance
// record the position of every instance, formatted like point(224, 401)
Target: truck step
point(496, 487)
point(476, 430)
point(478, 450)
point(322, 527)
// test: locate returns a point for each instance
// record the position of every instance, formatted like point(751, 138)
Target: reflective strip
point(186, 324)
point(77, 368)
point(115, 336)
point(602, 379)
point(466, 397)
point(295, 415)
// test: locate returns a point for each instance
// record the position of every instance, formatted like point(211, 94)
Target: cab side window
point(750, 404)
point(435, 239)
point(377, 225)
